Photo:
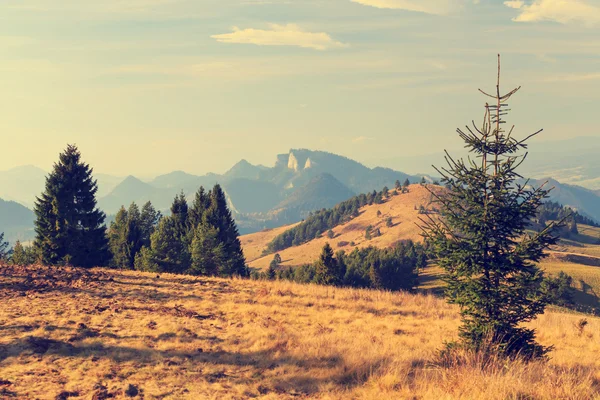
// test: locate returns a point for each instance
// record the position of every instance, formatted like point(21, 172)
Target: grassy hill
point(403, 209)
point(69, 333)
point(578, 256)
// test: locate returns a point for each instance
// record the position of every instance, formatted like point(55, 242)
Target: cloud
point(437, 7)
point(280, 35)
point(361, 139)
point(562, 11)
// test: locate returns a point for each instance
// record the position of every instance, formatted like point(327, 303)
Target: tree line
point(200, 238)
point(394, 268)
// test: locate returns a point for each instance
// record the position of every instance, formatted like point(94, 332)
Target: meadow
point(72, 333)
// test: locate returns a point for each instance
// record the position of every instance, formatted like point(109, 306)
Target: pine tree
point(179, 213)
point(218, 216)
point(69, 228)
point(481, 240)
point(326, 267)
point(398, 186)
point(117, 239)
point(5, 251)
point(199, 206)
point(385, 192)
point(207, 251)
point(149, 218)
point(18, 255)
point(168, 251)
point(406, 184)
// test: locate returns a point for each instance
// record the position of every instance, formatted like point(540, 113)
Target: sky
point(150, 86)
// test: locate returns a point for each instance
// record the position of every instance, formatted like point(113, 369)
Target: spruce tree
point(4, 249)
point(199, 206)
point(149, 218)
point(179, 213)
point(18, 256)
point(69, 227)
point(481, 240)
point(117, 239)
point(207, 251)
point(218, 216)
point(326, 267)
point(169, 253)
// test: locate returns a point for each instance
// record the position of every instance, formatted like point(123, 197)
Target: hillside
point(69, 333)
point(403, 209)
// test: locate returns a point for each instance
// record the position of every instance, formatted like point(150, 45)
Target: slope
point(100, 333)
point(404, 214)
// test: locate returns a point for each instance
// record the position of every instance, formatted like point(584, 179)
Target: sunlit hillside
point(110, 334)
point(402, 208)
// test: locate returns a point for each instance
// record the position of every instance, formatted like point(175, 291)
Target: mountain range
point(260, 197)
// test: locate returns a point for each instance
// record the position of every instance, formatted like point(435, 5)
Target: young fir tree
point(219, 217)
point(117, 240)
point(69, 227)
point(5, 251)
point(326, 267)
point(149, 219)
point(179, 213)
point(207, 252)
point(199, 206)
point(18, 256)
point(481, 240)
point(125, 237)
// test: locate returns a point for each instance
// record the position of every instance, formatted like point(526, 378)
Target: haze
point(149, 86)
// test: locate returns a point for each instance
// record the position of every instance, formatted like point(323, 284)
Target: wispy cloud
point(362, 139)
point(562, 11)
point(437, 7)
point(280, 35)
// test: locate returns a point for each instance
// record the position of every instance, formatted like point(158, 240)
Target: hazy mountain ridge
point(266, 197)
point(16, 221)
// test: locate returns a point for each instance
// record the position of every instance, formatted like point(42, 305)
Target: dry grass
point(400, 208)
point(178, 337)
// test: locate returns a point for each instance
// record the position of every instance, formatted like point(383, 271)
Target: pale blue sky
point(150, 86)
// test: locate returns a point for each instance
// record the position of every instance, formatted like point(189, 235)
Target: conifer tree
point(326, 267)
point(117, 239)
point(149, 218)
point(199, 206)
point(4, 249)
point(218, 216)
point(398, 185)
point(179, 213)
point(207, 251)
point(406, 184)
point(481, 240)
point(169, 252)
point(69, 227)
point(18, 256)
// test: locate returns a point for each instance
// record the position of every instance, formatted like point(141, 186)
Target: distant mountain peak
point(243, 169)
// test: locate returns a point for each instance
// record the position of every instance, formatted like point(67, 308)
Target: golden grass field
point(69, 333)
